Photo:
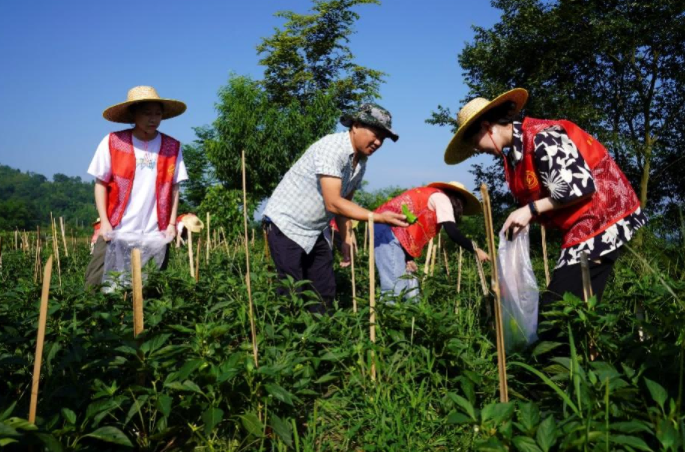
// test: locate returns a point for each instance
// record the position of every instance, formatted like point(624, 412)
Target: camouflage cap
point(372, 115)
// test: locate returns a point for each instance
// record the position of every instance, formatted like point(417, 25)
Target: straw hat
point(471, 204)
point(458, 150)
point(192, 223)
point(121, 113)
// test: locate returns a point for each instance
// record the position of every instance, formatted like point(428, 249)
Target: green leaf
point(551, 384)
point(282, 429)
point(211, 418)
point(458, 418)
point(8, 412)
point(657, 391)
point(631, 441)
point(252, 424)
point(6, 441)
point(326, 378)
point(525, 444)
point(164, 404)
point(69, 415)
point(50, 442)
point(111, 435)
point(529, 416)
point(464, 404)
point(279, 393)
point(633, 426)
point(546, 435)
point(497, 412)
point(544, 347)
point(667, 434)
point(20, 424)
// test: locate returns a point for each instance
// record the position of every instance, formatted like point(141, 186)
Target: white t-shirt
point(140, 215)
point(442, 206)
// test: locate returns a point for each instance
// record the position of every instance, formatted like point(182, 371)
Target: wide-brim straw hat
point(192, 223)
point(458, 150)
point(471, 206)
point(121, 113)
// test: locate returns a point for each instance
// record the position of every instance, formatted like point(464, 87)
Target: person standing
point(317, 187)
point(561, 177)
point(137, 172)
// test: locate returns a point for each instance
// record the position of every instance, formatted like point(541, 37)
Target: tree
point(612, 66)
point(200, 171)
point(310, 55)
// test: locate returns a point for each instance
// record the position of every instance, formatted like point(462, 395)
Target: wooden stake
point(55, 249)
point(481, 273)
point(429, 254)
point(197, 259)
point(42, 319)
point(191, 264)
point(209, 240)
point(247, 265)
point(372, 295)
point(436, 250)
point(461, 252)
point(447, 264)
point(137, 279)
point(501, 357)
point(354, 284)
point(543, 232)
point(366, 233)
point(64, 238)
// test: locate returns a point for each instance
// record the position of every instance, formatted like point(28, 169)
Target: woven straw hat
point(471, 205)
point(121, 113)
point(192, 223)
point(458, 150)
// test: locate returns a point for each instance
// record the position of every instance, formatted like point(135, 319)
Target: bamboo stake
point(42, 319)
point(37, 264)
point(481, 273)
point(501, 357)
point(366, 233)
point(55, 249)
point(247, 265)
point(428, 257)
point(354, 284)
point(372, 295)
point(436, 250)
point(209, 241)
point(461, 252)
point(197, 259)
point(137, 277)
point(585, 272)
point(16, 239)
point(64, 238)
point(228, 251)
point(543, 231)
point(190, 254)
point(447, 265)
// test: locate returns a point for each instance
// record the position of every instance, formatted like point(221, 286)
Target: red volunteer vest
point(124, 170)
point(613, 199)
point(414, 237)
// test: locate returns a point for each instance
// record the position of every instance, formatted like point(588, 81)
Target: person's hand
point(170, 231)
point(391, 218)
point(412, 267)
point(518, 219)
point(105, 230)
point(482, 255)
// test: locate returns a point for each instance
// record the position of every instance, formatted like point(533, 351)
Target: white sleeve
point(442, 206)
point(181, 173)
point(101, 165)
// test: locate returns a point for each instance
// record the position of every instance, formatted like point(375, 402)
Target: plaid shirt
point(297, 206)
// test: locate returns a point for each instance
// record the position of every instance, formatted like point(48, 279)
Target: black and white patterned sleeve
point(563, 170)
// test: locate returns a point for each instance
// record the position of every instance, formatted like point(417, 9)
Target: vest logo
point(531, 180)
point(171, 170)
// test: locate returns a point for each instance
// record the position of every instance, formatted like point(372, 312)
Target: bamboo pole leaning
point(55, 249)
point(501, 356)
point(191, 264)
point(543, 232)
point(253, 329)
point(354, 284)
point(64, 238)
point(197, 259)
point(42, 319)
point(436, 252)
point(372, 296)
point(209, 241)
point(429, 254)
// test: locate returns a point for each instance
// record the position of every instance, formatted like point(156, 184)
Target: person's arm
point(338, 205)
point(457, 237)
point(171, 229)
point(101, 205)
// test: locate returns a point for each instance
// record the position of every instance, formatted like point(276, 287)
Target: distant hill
point(26, 200)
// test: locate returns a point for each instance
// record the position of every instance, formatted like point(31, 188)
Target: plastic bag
point(118, 256)
point(518, 290)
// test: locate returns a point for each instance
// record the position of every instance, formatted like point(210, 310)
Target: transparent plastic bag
point(118, 256)
point(518, 290)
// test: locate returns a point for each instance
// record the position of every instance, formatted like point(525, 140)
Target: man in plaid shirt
point(317, 187)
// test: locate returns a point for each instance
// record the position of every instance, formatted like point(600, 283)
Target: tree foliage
point(614, 67)
point(310, 55)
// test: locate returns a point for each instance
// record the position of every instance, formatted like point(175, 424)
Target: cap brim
point(348, 120)
point(458, 150)
point(121, 114)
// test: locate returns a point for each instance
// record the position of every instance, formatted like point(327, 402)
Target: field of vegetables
point(189, 381)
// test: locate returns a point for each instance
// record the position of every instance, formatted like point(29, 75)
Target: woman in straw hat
point(185, 224)
point(137, 173)
point(435, 206)
point(561, 177)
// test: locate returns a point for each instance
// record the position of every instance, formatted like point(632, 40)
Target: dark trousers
point(96, 267)
point(317, 266)
point(570, 279)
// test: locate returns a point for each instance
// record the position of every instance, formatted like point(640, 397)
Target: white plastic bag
point(518, 290)
point(118, 255)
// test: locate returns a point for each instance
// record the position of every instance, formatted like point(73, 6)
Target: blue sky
point(64, 62)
